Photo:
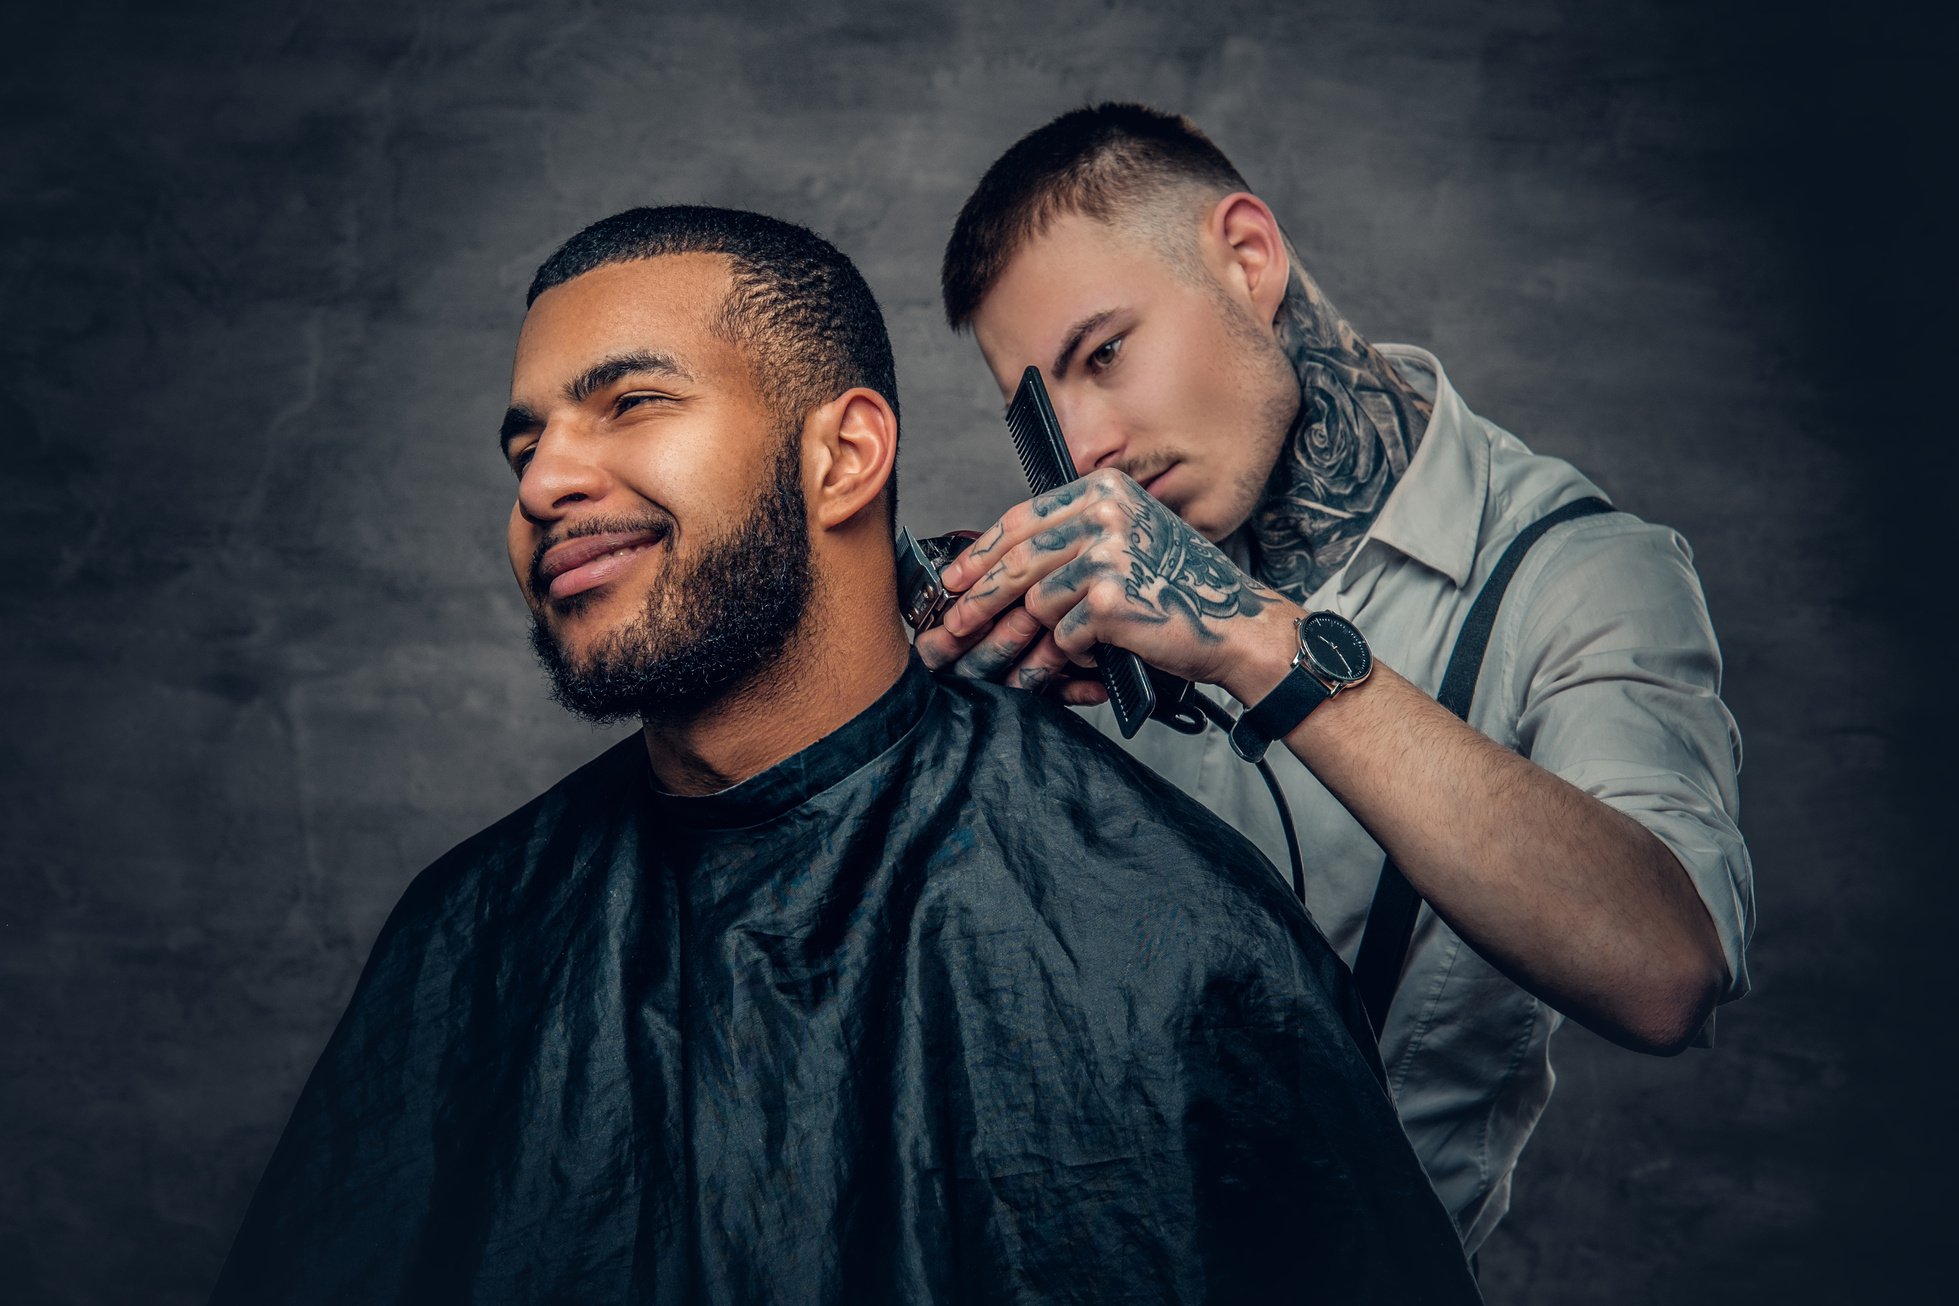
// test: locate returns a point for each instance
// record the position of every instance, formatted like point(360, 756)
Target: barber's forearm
point(1576, 901)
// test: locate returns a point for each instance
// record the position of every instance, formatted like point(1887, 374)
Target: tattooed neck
point(1358, 425)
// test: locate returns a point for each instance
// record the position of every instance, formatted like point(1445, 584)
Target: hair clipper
point(922, 599)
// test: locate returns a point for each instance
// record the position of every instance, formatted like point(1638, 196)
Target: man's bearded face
point(714, 615)
point(659, 534)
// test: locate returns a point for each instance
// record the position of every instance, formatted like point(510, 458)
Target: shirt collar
point(1435, 515)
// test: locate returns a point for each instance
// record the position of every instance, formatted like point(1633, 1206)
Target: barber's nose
point(559, 474)
point(1095, 438)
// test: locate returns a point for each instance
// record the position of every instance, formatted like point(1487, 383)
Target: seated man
point(824, 986)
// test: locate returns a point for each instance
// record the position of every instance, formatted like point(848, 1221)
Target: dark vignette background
point(262, 268)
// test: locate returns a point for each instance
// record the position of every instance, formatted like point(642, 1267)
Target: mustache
point(1141, 469)
point(657, 524)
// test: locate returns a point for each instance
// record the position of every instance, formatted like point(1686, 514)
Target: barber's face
point(1150, 372)
point(659, 534)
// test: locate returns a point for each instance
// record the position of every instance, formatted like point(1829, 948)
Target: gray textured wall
point(262, 268)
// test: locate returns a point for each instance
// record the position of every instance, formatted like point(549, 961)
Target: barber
point(1272, 506)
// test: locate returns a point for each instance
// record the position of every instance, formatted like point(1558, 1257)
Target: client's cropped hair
point(799, 310)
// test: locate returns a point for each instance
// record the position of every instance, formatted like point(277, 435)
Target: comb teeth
point(1044, 458)
point(1125, 681)
point(1037, 436)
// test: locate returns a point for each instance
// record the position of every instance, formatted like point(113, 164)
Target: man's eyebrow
point(604, 372)
point(1074, 340)
point(517, 419)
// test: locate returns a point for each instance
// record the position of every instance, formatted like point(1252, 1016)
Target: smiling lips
point(589, 561)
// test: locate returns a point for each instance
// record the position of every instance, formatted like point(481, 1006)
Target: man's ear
point(849, 447)
point(1243, 240)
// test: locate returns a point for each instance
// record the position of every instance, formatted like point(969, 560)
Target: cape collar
point(797, 779)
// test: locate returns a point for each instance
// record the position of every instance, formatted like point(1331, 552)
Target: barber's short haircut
point(1124, 164)
point(797, 308)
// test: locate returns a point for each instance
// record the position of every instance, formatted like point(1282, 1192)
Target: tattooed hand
point(1097, 561)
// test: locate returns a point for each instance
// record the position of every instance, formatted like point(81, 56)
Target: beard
point(713, 617)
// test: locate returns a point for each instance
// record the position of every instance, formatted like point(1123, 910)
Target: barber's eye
point(1104, 356)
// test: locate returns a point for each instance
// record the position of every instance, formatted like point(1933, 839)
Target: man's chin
point(582, 682)
point(589, 617)
point(580, 644)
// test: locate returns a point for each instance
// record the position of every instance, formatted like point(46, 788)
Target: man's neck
point(1358, 426)
point(825, 677)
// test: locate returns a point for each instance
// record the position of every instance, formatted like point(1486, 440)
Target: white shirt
point(1602, 668)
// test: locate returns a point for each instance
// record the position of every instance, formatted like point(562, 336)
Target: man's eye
point(520, 460)
point(1105, 355)
point(635, 400)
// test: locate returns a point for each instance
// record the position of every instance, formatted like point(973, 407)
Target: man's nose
point(561, 473)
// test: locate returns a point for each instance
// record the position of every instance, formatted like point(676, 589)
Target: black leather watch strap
point(1277, 713)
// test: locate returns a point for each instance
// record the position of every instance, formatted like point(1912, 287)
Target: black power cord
point(1222, 720)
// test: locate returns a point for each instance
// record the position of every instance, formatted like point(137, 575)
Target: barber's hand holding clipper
point(1100, 561)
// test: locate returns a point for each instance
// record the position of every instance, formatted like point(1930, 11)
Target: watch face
point(1335, 649)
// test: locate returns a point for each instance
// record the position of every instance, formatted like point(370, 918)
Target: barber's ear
point(1244, 238)
point(849, 447)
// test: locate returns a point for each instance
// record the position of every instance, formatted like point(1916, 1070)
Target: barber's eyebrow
point(1074, 341)
point(518, 419)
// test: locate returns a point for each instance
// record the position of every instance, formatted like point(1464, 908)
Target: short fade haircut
point(797, 308)
point(1111, 162)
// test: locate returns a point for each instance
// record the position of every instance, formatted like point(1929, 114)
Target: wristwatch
point(1332, 656)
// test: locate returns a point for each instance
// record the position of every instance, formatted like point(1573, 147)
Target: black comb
point(1044, 457)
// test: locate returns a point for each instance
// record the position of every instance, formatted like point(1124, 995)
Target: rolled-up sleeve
point(1614, 662)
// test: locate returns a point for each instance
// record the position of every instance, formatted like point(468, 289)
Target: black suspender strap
point(1391, 919)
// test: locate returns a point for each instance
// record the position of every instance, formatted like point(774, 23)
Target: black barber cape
point(960, 1004)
